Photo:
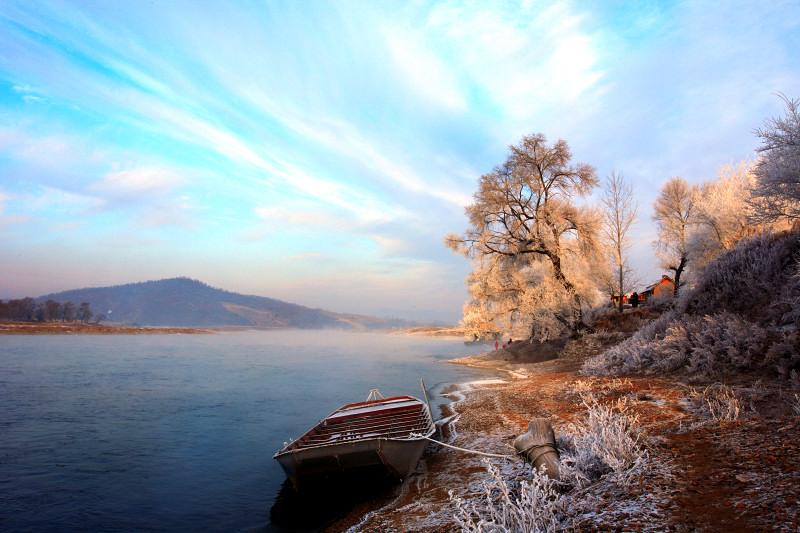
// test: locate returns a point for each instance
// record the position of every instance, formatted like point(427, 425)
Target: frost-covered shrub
point(718, 402)
point(632, 355)
point(749, 279)
point(607, 445)
point(660, 303)
point(600, 312)
point(783, 355)
point(702, 346)
point(742, 314)
point(709, 346)
point(791, 300)
point(534, 506)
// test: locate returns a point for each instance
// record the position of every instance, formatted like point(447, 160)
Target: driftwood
point(538, 446)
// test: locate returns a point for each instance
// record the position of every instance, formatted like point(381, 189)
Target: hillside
point(183, 302)
point(741, 317)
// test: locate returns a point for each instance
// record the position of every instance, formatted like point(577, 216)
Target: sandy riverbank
point(429, 331)
point(703, 474)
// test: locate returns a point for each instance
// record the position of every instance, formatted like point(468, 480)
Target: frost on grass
point(608, 447)
point(609, 444)
point(531, 506)
point(742, 315)
point(718, 402)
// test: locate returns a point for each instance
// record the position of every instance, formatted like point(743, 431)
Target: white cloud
point(139, 181)
point(311, 215)
point(527, 58)
point(51, 199)
point(424, 71)
point(34, 99)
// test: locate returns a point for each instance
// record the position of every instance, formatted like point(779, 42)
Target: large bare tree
point(675, 213)
point(524, 215)
point(776, 194)
point(619, 214)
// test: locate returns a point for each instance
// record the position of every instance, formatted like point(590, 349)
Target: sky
point(318, 152)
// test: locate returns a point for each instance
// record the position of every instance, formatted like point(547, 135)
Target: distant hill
point(184, 302)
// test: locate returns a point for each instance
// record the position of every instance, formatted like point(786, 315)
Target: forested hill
point(184, 302)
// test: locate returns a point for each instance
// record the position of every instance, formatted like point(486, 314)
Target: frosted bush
point(607, 445)
point(791, 300)
point(601, 312)
point(747, 279)
point(632, 355)
point(719, 402)
point(710, 346)
point(783, 355)
point(701, 346)
point(534, 506)
point(660, 303)
point(796, 406)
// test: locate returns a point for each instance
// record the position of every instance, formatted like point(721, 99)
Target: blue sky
point(318, 152)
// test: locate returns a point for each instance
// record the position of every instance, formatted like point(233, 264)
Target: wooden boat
point(390, 433)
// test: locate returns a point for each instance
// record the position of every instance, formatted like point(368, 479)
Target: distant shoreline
point(83, 328)
point(91, 328)
point(429, 331)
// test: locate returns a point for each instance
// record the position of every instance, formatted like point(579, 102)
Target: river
point(177, 432)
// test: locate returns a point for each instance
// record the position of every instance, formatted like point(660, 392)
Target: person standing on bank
point(635, 300)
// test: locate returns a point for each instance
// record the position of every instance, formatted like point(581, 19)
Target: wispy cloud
point(138, 182)
point(527, 58)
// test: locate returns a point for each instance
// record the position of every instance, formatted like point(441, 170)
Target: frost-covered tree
point(776, 193)
point(674, 212)
point(619, 214)
point(526, 218)
point(492, 299)
point(723, 211)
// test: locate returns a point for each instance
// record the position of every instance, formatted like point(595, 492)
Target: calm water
point(177, 432)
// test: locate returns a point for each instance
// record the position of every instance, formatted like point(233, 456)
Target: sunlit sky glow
point(318, 152)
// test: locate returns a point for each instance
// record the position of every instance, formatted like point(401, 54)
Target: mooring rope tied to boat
point(501, 456)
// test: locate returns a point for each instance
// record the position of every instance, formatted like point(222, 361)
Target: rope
point(464, 449)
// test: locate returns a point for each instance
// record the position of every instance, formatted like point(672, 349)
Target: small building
point(615, 299)
point(663, 287)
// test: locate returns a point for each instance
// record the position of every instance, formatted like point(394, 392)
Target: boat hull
point(398, 458)
point(388, 434)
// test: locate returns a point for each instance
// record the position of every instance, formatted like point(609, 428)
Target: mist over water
point(177, 432)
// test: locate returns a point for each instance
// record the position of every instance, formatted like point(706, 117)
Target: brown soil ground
point(83, 328)
point(705, 475)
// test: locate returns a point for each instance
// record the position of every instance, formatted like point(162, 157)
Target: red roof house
point(664, 287)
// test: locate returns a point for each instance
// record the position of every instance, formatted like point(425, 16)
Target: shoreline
point(84, 328)
point(91, 328)
point(693, 460)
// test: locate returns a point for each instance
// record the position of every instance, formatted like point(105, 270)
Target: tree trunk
point(678, 272)
point(570, 288)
